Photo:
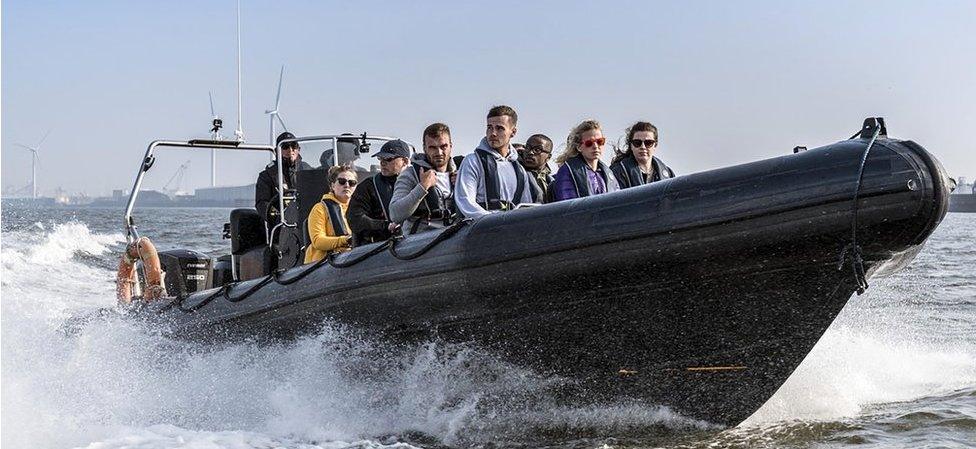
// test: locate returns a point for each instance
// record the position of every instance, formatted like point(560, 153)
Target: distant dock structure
point(227, 196)
point(963, 199)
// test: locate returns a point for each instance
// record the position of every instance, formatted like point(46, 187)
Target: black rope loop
point(852, 248)
point(277, 275)
point(446, 234)
point(330, 260)
point(853, 253)
point(178, 302)
point(348, 263)
point(267, 279)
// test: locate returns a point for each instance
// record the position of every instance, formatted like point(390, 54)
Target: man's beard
point(289, 164)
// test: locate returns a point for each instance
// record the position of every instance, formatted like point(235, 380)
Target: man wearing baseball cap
point(369, 207)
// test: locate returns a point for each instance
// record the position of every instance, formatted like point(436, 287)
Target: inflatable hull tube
point(702, 293)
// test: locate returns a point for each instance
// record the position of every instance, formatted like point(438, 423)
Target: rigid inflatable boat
point(701, 293)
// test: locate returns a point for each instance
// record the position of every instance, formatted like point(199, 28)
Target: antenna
point(273, 113)
point(239, 133)
point(216, 122)
point(214, 135)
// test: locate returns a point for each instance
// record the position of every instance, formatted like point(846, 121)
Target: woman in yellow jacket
point(328, 230)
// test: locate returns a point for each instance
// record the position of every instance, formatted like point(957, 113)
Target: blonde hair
point(573, 141)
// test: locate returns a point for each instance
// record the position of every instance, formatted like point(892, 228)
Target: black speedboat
point(702, 293)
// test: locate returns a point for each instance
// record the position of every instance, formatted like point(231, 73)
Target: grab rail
point(131, 233)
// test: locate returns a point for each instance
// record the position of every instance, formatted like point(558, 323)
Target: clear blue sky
point(726, 82)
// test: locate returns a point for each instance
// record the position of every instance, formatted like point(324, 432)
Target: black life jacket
point(542, 181)
point(291, 178)
point(629, 174)
point(384, 191)
point(493, 200)
point(436, 205)
point(578, 168)
point(334, 210)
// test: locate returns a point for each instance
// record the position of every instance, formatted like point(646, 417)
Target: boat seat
point(247, 231)
point(249, 244)
point(255, 263)
point(312, 184)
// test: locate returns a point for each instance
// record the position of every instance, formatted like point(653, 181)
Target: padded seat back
point(247, 231)
point(312, 184)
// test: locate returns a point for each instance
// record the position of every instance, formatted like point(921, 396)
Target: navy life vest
point(628, 173)
point(334, 210)
point(578, 168)
point(436, 204)
point(493, 200)
point(384, 191)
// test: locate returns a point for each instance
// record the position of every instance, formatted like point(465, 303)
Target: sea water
point(896, 369)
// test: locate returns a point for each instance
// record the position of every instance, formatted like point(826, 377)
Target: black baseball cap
point(283, 136)
point(394, 148)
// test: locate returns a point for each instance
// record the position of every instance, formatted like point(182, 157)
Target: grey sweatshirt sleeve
point(407, 196)
point(467, 186)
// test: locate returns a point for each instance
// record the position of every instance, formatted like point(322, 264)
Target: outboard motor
point(186, 271)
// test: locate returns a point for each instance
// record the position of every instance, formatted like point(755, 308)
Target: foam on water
point(851, 368)
point(119, 384)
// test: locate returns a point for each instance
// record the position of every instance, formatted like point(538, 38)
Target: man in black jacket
point(266, 188)
point(369, 207)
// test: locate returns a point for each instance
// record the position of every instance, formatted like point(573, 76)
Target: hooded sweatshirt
point(322, 238)
point(470, 189)
point(408, 193)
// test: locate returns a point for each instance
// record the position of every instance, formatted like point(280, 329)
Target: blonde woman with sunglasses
point(581, 172)
point(328, 230)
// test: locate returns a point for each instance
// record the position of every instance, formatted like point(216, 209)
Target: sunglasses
point(344, 181)
point(535, 150)
point(598, 141)
point(291, 146)
point(637, 143)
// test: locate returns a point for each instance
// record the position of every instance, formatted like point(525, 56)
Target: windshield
point(323, 152)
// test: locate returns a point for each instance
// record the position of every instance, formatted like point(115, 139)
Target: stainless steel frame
point(334, 138)
point(131, 233)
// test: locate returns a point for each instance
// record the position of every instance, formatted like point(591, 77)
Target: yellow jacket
point(323, 240)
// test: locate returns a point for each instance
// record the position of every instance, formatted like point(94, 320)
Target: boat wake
point(118, 383)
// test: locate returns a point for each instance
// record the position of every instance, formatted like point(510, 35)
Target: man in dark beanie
point(266, 188)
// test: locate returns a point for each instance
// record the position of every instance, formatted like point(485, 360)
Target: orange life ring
point(142, 249)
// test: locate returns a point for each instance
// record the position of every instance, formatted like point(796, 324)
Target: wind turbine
point(33, 151)
point(273, 113)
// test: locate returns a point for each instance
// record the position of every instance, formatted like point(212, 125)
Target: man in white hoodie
point(491, 179)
